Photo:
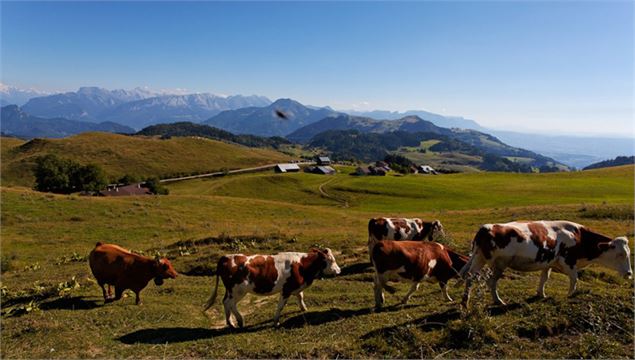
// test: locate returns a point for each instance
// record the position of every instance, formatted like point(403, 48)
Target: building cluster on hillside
point(381, 168)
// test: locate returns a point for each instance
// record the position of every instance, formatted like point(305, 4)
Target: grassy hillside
point(141, 156)
point(411, 193)
point(269, 213)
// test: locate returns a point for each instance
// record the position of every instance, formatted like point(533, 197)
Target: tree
point(89, 178)
point(155, 186)
point(52, 174)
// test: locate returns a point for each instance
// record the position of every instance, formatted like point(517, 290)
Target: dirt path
point(343, 202)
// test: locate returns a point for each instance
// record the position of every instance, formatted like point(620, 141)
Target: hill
point(439, 120)
point(190, 129)
point(134, 155)
point(18, 123)
point(278, 119)
point(450, 143)
point(618, 161)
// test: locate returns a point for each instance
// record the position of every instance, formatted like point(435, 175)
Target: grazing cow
point(402, 229)
point(114, 265)
point(288, 273)
point(414, 261)
point(541, 246)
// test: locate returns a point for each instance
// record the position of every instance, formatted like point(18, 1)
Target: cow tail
point(99, 243)
point(212, 299)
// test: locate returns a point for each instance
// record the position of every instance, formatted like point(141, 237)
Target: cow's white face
point(437, 230)
point(331, 266)
point(618, 257)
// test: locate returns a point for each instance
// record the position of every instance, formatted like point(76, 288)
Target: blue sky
point(546, 66)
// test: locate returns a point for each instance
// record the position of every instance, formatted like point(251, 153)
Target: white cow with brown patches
point(542, 246)
point(287, 273)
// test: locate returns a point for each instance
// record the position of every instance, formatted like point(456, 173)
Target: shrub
point(155, 186)
point(63, 176)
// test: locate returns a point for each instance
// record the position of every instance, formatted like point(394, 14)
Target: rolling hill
point(18, 123)
point(135, 155)
point(450, 142)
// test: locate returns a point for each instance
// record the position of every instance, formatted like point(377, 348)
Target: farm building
point(323, 160)
point(382, 165)
point(324, 170)
point(285, 168)
point(426, 169)
point(369, 171)
point(126, 190)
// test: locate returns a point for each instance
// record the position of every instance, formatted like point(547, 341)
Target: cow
point(114, 265)
point(414, 261)
point(402, 229)
point(288, 273)
point(542, 246)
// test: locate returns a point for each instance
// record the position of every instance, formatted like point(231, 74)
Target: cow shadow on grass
point(71, 303)
point(334, 314)
point(19, 307)
point(180, 334)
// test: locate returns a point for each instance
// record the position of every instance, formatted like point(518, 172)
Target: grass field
point(140, 156)
point(44, 238)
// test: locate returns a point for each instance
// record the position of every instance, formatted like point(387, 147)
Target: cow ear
point(604, 246)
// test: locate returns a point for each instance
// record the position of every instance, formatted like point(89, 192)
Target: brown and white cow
point(414, 261)
point(114, 265)
point(402, 229)
point(541, 246)
point(288, 273)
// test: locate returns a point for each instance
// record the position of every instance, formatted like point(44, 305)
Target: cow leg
point(476, 263)
point(573, 279)
point(109, 291)
point(444, 291)
point(234, 308)
point(118, 294)
point(492, 282)
point(103, 290)
point(413, 288)
point(543, 280)
point(227, 304)
point(281, 304)
point(379, 290)
point(301, 303)
point(137, 299)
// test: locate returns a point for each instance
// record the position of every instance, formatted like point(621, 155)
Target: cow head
point(331, 267)
point(616, 255)
point(437, 231)
point(164, 271)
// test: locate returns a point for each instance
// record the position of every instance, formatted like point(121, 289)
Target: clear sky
point(545, 66)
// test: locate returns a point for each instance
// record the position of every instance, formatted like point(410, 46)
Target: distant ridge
point(618, 161)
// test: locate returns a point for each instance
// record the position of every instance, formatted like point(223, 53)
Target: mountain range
point(13, 95)
point(136, 108)
point(18, 123)
point(257, 115)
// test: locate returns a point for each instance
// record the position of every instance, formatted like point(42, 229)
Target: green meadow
point(52, 308)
